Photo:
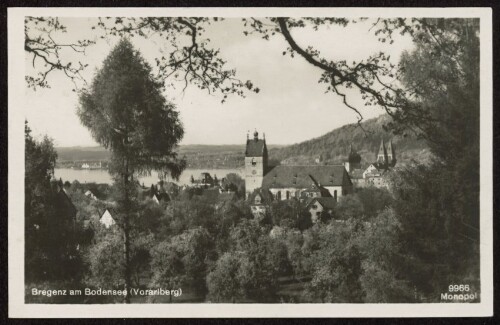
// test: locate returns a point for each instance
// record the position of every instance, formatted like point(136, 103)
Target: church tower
point(255, 162)
point(382, 154)
point(353, 161)
point(386, 156)
point(391, 155)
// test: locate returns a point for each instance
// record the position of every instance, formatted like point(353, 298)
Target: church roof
point(255, 148)
point(299, 176)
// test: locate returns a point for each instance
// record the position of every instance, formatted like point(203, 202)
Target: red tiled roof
point(299, 176)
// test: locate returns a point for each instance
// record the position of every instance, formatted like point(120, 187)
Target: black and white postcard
point(250, 162)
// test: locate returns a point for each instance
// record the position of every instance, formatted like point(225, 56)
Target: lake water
point(102, 176)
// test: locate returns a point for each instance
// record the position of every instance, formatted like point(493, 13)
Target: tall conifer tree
point(126, 112)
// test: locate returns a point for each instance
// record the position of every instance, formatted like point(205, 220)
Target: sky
point(291, 106)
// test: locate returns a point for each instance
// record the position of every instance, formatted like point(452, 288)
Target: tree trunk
point(126, 244)
point(126, 233)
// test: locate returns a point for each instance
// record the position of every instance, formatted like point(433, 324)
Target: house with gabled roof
point(319, 205)
point(107, 219)
point(260, 201)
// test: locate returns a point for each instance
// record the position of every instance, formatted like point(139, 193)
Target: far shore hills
point(331, 148)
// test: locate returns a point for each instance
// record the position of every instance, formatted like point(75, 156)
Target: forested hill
point(333, 147)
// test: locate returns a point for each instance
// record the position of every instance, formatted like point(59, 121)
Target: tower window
point(254, 162)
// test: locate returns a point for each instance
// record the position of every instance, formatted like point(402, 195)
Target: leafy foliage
point(50, 245)
point(224, 284)
point(438, 205)
point(127, 113)
point(182, 260)
point(406, 245)
point(383, 279)
point(336, 265)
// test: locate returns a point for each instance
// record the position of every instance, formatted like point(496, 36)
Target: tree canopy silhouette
point(126, 112)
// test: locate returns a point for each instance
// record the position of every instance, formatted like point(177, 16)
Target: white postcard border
point(16, 89)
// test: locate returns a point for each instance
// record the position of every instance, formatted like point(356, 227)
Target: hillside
point(82, 154)
point(197, 156)
point(333, 147)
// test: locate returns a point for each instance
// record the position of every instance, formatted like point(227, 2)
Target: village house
point(260, 201)
point(90, 195)
point(319, 205)
point(286, 182)
point(107, 219)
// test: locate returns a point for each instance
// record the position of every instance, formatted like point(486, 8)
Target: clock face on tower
point(254, 172)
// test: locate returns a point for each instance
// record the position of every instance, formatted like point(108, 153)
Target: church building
point(286, 182)
point(378, 173)
point(386, 156)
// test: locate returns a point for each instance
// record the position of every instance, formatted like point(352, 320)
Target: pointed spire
point(391, 154)
point(389, 147)
point(256, 135)
point(382, 153)
point(382, 147)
